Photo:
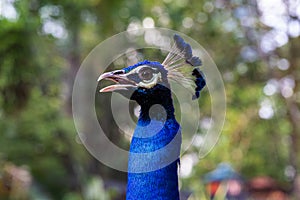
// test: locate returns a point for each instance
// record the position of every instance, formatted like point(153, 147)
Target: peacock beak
point(121, 80)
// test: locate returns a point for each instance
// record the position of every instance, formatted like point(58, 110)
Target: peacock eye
point(146, 73)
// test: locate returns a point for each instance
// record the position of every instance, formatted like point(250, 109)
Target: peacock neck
point(157, 106)
point(156, 129)
point(161, 111)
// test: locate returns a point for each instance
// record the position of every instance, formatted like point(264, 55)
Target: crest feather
point(179, 58)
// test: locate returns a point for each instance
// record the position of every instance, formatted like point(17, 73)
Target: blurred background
point(255, 45)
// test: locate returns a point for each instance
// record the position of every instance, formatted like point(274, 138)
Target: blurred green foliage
point(44, 42)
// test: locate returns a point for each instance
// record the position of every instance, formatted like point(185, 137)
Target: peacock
point(154, 155)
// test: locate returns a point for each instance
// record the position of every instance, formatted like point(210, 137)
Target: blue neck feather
point(153, 132)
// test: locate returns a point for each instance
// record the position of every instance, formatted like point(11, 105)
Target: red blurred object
point(212, 188)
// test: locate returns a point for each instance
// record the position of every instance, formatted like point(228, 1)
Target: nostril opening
point(119, 72)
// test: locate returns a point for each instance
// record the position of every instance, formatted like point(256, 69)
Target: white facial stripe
point(150, 83)
point(146, 83)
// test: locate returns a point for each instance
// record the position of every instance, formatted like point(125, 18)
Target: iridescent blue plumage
point(200, 82)
point(155, 146)
point(161, 183)
point(145, 62)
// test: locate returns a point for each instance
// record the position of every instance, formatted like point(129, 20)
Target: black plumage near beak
point(121, 80)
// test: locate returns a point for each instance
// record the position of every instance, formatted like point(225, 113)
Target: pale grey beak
point(120, 78)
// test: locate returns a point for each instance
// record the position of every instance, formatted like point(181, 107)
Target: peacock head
point(143, 80)
point(149, 80)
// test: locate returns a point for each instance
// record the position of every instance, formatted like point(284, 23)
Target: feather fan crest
point(177, 63)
